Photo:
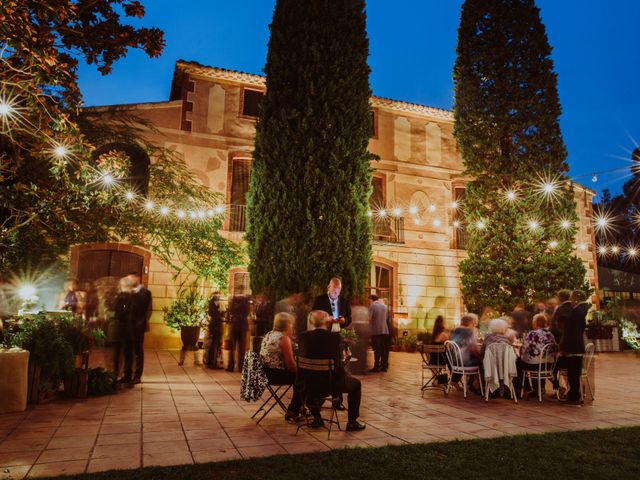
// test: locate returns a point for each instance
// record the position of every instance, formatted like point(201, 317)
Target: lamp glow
point(181, 214)
point(201, 214)
point(432, 208)
point(413, 209)
point(511, 195)
point(164, 211)
point(615, 249)
point(602, 250)
point(129, 195)
point(382, 213)
point(219, 209)
point(582, 247)
point(5, 109)
point(456, 223)
point(193, 215)
point(149, 205)
point(632, 252)
point(27, 292)
point(416, 221)
point(369, 213)
point(534, 225)
point(480, 225)
point(437, 222)
point(565, 224)
point(553, 244)
point(454, 205)
point(397, 212)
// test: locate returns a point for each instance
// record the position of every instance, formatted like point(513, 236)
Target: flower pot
point(189, 337)
point(33, 383)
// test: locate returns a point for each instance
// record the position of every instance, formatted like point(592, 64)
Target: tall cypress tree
point(507, 126)
point(311, 179)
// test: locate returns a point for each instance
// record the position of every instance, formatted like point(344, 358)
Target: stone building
point(210, 120)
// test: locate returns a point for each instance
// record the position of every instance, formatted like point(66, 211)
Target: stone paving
point(185, 415)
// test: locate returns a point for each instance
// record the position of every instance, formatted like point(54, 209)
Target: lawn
point(593, 454)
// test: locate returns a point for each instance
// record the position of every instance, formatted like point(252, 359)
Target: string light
point(432, 208)
point(164, 211)
point(437, 222)
point(553, 244)
point(369, 213)
point(5, 109)
point(533, 225)
point(149, 205)
point(181, 213)
point(413, 209)
point(632, 252)
point(209, 213)
point(397, 212)
point(480, 225)
point(582, 247)
point(615, 249)
point(511, 195)
point(602, 250)
point(416, 221)
point(594, 178)
point(548, 187)
point(193, 215)
point(382, 213)
point(107, 179)
point(565, 224)
point(456, 223)
point(454, 205)
point(129, 195)
point(201, 214)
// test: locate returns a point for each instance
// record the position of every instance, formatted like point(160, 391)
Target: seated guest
point(533, 344)
point(276, 353)
point(465, 337)
point(440, 334)
point(319, 343)
point(498, 333)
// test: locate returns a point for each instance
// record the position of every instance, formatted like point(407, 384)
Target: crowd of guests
point(560, 323)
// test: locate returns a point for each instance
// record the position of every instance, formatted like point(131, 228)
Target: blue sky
point(412, 51)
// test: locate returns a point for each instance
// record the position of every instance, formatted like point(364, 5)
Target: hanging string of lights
point(548, 188)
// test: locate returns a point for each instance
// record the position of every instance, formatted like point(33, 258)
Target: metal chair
point(503, 351)
point(275, 397)
point(456, 365)
point(587, 360)
point(433, 362)
point(547, 364)
point(316, 381)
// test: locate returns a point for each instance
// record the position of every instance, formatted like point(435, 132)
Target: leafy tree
point(520, 207)
point(311, 180)
point(53, 192)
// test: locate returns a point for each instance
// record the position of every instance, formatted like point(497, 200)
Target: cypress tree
point(507, 126)
point(311, 178)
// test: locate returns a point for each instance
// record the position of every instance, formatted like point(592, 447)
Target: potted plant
point(349, 340)
point(187, 314)
point(50, 354)
point(409, 343)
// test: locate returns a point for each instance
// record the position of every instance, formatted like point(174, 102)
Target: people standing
point(238, 317)
point(215, 330)
point(135, 329)
point(337, 307)
point(379, 330)
point(572, 345)
point(521, 319)
point(561, 314)
point(69, 298)
point(263, 312)
point(122, 317)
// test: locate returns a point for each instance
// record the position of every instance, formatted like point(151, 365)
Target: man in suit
point(215, 330)
point(379, 331)
point(337, 307)
point(561, 314)
point(320, 343)
point(137, 324)
point(238, 316)
point(572, 345)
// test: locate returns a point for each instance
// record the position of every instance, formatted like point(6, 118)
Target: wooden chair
point(433, 365)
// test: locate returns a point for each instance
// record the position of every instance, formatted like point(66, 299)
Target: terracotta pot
point(190, 336)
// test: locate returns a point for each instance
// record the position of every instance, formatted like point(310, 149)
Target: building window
point(251, 102)
point(462, 235)
point(373, 126)
point(377, 200)
point(240, 284)
point(240, 174)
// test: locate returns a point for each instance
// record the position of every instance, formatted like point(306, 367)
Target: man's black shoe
point(355, 426)
point(316, 423)
point(123, 380)
point(374, 370)
point(135, 381)
point(339, 406)
point(383, 369)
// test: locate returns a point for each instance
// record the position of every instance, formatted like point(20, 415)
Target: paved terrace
point(186, 415)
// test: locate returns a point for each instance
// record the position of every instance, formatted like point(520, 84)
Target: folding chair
point(274, 398)
point(456, 365)
point(315, 377)
point(547, 364)
point(587, 360)
point(433, 363)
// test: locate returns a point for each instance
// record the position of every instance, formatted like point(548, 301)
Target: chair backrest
point(546, 361)
point(319, 374)
point(454, 355)
point(499, 350)
point(589, 351)
point(429, 353)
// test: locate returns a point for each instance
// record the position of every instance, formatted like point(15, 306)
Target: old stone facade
point(210, 120)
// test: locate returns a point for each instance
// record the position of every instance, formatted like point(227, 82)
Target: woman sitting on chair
point(276, 353)
point(533, 344)
point(499, 329)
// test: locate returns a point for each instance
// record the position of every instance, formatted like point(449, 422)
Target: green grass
point(590, 454)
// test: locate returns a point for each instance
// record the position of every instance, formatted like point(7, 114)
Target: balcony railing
point(462, 238)
point(236, 218)
point(385, 229)
point(388, 229)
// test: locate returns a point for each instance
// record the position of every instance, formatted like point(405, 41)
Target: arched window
point(130, 158)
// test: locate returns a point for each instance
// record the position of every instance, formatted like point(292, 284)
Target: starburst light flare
point(548, 187)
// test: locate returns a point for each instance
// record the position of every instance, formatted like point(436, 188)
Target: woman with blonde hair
point(278, 361)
